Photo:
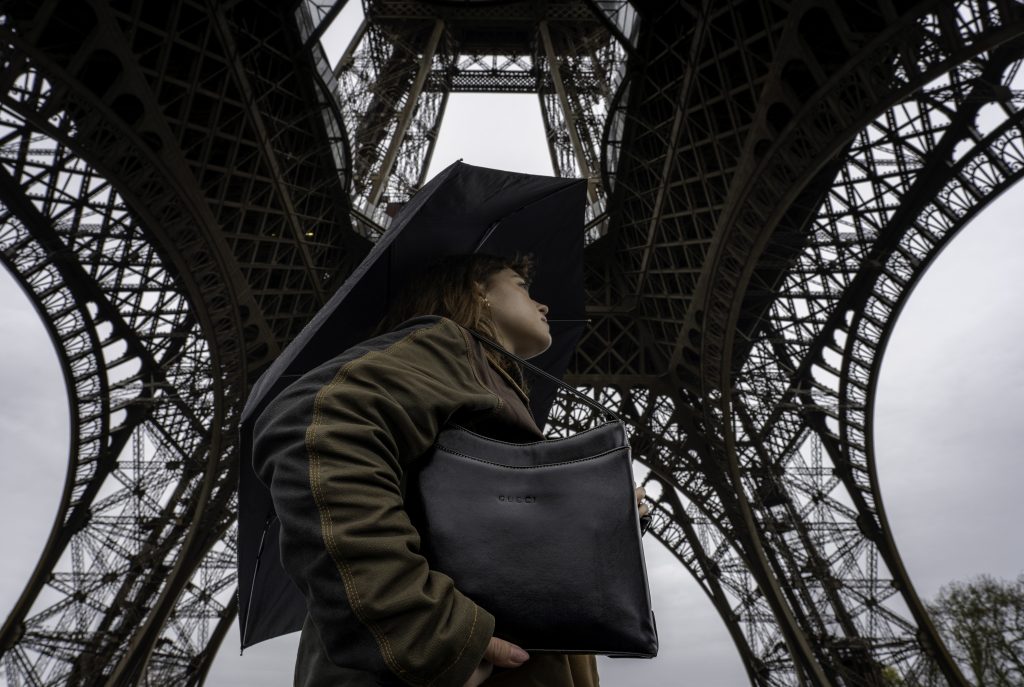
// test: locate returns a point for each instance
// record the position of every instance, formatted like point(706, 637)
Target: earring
point(487, 303)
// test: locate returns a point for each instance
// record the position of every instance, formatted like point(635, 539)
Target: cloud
point(950, 397)
point(34, 424)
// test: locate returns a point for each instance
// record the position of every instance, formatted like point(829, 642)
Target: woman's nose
point(543, 308)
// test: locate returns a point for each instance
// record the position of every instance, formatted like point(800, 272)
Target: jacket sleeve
point(333, 457)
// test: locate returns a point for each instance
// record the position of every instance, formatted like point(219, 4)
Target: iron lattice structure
point(183, 184)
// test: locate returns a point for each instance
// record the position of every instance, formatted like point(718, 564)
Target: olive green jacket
point(334, 448)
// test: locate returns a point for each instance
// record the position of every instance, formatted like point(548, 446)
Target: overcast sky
point(947, 418)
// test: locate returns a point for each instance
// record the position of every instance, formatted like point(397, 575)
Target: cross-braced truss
point(182, 184)
point(145, 405)
point(396, 75)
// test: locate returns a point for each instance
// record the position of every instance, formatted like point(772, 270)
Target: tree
point(982, 624)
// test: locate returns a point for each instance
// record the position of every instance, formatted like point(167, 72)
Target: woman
point(334, 449)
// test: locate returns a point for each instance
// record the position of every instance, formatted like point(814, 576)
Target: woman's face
point(521, 321)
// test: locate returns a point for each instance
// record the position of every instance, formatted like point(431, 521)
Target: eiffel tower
point(183, 183)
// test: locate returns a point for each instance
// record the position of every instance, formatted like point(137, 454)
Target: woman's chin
point(543, 344)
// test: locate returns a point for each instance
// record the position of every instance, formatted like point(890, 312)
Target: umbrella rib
point(487, 235)
point(534, 201)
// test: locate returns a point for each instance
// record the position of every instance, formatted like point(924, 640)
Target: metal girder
point(686, 227)
point(817, 130)
point(150, 218)
point(402, 63)
point(816, 360)
point(909, 642)
point(569, 113)
point(264, 140)
point(406, 115)
point(391, 116)
point(107, 277)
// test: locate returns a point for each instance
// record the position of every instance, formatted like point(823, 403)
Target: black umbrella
point(464, 209)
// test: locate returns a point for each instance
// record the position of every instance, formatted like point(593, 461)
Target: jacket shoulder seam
point(476, 374)
point(325, 530)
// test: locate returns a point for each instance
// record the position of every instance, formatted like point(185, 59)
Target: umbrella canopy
point(464, 209)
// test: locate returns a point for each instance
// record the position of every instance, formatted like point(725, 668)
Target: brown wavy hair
point(448, 288)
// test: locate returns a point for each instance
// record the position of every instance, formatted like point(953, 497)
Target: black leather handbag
point(544, 535)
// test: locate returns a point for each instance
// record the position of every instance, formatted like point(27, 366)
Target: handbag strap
point(498, 347)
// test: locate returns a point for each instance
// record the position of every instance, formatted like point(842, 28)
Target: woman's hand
point(498, 653)
point(640, 494)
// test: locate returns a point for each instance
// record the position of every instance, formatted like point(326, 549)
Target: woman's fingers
point(498, 653)
point(640, 494)
point(505, 654)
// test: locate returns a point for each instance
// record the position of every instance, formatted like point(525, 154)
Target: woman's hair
point(448, 288)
